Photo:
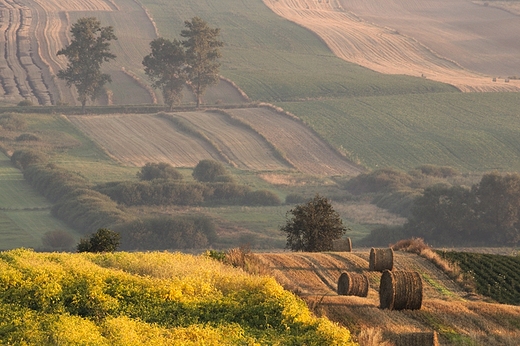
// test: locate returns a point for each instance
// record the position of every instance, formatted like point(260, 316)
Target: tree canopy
point(104, 240)
point(202, 51)
point(89, 48)
point(165, 66)
point(313, 226)
point(486, 214)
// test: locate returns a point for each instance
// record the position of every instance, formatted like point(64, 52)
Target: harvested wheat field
point(300, 145)
point(457, 317)
point(185, 138)
point(455, 42)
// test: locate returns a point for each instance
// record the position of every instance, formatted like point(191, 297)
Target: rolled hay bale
point(353, 284)
point(400, 290)
point(342, 245)
point(415, 339)
point(381, 259)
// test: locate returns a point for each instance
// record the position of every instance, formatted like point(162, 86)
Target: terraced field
point(138, 139)
point(459, 318)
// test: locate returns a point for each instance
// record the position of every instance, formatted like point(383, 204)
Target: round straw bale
point(353, 284)
point(381, 259)
point(415, 339)
point(342, 245)
point(400, 290)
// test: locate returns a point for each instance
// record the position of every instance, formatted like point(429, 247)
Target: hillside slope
point(271, 141)
point(457, 317)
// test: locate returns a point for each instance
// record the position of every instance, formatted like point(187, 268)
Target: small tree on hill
point(89, 48)
point(313, 226)
point(165, 66)
point(104, 240)
point(202, 51)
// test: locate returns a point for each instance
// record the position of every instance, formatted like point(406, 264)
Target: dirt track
point(394, 38)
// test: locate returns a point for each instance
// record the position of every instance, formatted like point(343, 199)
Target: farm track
point(314, 276)
point(380, 48)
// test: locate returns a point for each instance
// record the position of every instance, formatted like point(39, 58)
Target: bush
point(12, 122)
point(27, 137)
point(25, 103)
point(438, 171)
point(104, 240)
point(165, 232)
point(294, 198)
point(161, 170)
point(261, 197)
point(61, 240)
point(382, 180)
point(24, 158)
point(210, 171)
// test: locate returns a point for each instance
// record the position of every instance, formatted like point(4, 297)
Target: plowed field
point(445, 308)
point(455, 42)
point(137, 139)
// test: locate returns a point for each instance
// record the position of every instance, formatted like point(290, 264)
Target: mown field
point(458, 317)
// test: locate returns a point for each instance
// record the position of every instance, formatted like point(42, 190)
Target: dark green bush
point(209, 171)
point(26, 157)
point(27, 137)
point(166, 232)
point(12, 122)
point(261, 197)
point(25, 103)
point(57, 240)
point(161, 170)
point(438, 171)
point(398, 202)
point(294, 198)
point(227, 193)
point(104, 240)
point(382, 180)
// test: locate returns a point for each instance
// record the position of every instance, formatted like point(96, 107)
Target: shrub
point(210, 171)
point(261, 197)
point(294, 198)
point(227, 193)
point(25, 103)
point(12, 122)
point(61, 240)
point(104, 240)
point(378, 181)
point(24, 158)
point(161, 170)
point(438, 171)
point(27, 137)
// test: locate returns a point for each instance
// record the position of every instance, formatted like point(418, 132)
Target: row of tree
point(171, 65)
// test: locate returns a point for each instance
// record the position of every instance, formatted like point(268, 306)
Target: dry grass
point(419, 247)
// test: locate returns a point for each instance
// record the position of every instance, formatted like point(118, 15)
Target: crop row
point(496, 276)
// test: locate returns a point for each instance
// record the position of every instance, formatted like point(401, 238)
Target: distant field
point(272, 59)
point(470, 132)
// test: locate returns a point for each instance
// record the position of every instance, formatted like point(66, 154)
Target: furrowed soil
point(458, 317)
point(455, 42)
point(262, 144)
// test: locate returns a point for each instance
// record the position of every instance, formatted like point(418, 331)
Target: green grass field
point(272, 59)
point(475, 132)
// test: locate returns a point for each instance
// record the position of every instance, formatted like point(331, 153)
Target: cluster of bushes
point(153, 298)
point(395, 190)
point(166, 232)
point(162, 184)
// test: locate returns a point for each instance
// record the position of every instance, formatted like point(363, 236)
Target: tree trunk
point(83, 103)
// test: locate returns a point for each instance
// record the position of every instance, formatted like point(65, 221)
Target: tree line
point(171, 65)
